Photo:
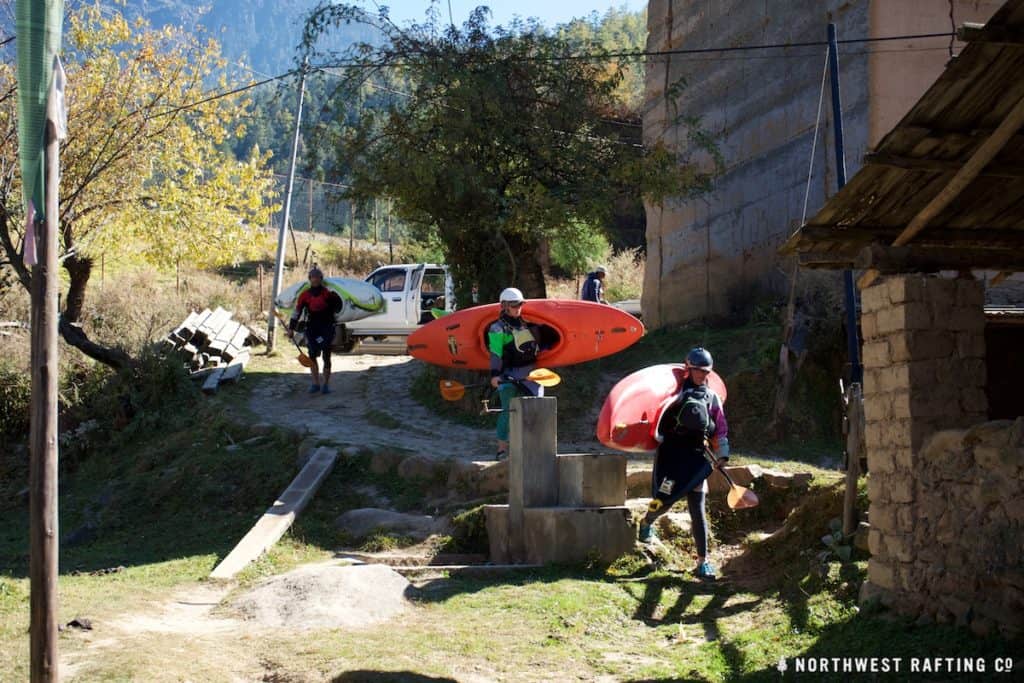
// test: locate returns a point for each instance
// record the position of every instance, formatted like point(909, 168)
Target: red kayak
point(634, 406)
point(573, 332)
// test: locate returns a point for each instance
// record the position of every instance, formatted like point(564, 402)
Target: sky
point(551, 12)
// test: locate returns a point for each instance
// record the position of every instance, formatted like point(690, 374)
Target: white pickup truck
point(411, 292)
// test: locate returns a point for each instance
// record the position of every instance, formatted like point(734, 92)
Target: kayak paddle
point(740, 497)
point(452, 390)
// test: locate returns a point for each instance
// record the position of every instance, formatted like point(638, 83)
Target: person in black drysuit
point(320, 304)
point(695, 421)
point(593, 288)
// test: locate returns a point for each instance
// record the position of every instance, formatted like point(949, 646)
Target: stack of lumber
point(213, 346)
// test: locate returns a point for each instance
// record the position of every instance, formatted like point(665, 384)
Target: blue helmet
point(699, 358)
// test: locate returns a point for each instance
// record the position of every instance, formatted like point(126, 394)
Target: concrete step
point(465, 570)
point(562, 534)
point(409, 560)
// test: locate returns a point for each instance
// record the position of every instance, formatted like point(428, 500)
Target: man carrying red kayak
point(513, 346)
point(320, 305)
point(694, 422)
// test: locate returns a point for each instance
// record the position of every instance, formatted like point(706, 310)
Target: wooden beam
point(988, 238)
point(964, 177)
point(941, 165)
point(970, 32)
point(918, 259)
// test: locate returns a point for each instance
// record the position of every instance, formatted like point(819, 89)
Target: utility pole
point(853, 398)
point(282, 235)
point(852, 342)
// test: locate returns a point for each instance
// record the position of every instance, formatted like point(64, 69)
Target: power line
point(603, 56)
point(580, 57)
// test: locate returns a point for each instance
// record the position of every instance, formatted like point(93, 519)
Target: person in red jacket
point(320, 304)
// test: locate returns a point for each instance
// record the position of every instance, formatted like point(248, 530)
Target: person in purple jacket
point(693, 422)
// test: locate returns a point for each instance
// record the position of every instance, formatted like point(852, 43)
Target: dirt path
point(371, 404)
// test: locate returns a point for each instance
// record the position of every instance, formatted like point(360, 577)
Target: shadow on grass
point(364, 676)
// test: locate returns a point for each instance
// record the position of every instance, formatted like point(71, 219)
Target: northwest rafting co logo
point(781, 666)
point(453, 345)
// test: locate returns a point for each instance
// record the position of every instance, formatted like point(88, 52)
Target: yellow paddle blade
point(452, 390)
point(545, 377)
point(304, 360)
point(741, 498)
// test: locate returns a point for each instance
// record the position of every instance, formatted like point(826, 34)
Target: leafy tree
point(579, 247)
point(141, 167)
point(499, 144)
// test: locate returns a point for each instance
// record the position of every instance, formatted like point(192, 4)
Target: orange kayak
point(631, 412)
point(573, 332)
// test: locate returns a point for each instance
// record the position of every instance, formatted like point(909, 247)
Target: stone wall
point(945, 491)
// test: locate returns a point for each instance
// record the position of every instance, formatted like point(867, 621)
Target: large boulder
point(326, 596)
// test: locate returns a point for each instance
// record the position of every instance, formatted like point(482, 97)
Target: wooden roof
point(944, 190)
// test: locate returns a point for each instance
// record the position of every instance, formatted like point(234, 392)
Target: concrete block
point(876, 353)
point(496, 520)
point(966, 319)
point(573, 535)
point(904, 288)
point(869, 325)
point(533, 469)
point(970, 293)
point(874, 298)
point(591, 479)
point(917, 316)
point(970, 345)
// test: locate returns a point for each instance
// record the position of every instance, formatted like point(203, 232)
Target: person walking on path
point(320, 304)
point(513, 345)
point(593, 288)
point(695, 421)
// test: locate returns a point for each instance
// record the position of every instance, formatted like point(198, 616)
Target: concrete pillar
point(533, 466)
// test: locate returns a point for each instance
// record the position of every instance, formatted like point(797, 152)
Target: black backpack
point(693, 416)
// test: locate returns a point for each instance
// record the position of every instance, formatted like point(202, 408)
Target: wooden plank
point(931, 165)
point(212, 381)
point(1002, 36)
point(866, 234)
point(918, 259)
point(278, 517)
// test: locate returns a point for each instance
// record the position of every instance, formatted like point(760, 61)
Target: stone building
point(760, 106)
point(936, 207)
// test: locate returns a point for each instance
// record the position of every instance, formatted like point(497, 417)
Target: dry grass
point(625, 278)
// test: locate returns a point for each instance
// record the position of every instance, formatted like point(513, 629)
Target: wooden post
point(177, 276)
point(43, 543)
point(854, 445)
point(351, 229)
point(375, 217)
point(532, 464)
point(259, 293)
point(310, 222)
point(391, 242)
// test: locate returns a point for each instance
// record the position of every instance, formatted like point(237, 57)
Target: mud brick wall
point(945, 491)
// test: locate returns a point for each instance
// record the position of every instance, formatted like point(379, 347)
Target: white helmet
point(511, 295)
point(601, 269)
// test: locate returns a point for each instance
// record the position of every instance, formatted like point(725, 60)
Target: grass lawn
point(164, 501)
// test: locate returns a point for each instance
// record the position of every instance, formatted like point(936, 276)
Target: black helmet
point(315, 272)
point(699, 358)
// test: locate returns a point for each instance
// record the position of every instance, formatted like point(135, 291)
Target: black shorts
point(319, 342)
